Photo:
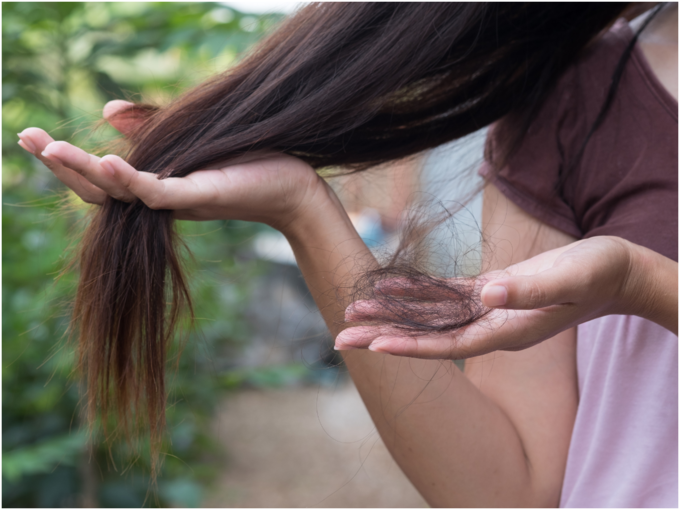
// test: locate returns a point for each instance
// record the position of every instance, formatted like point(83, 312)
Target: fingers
point(143, 185)
point(124, 116)
point(551, 287)
point(425, 288)
point(176, 193)
point(92, 178)
point(396, 287)
point(35, 141)
point(361, 337)
point(514, 325)
point(436, 346)
point(426, 314)
point(393, 341)
point(90, 167)
point(362, 310)
point(385, 310)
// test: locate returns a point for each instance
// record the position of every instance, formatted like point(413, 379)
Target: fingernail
point(344, 336)
point(107, 166)
point(344, 347)
point(25, 147)
point(26, 143)
point(495, 295)
point(52, 157)
point(376, 347)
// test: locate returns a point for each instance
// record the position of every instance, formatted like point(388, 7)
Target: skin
point(659, 43)
point(496, 435)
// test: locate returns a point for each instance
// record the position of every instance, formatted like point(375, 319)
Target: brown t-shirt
point(624, 445)
point(626, 182)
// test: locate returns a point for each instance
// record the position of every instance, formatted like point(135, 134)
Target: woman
point(505, 432)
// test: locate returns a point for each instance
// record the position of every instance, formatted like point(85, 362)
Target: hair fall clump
point(345, 85)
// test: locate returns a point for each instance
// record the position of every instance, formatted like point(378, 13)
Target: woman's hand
point(534, 300)
point(268, 188)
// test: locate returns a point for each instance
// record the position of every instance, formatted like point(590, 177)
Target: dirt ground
point(305, 447)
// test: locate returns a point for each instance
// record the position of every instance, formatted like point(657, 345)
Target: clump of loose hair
point(415, 293)
point(344, 85)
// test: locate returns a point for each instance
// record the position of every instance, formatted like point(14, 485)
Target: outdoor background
point(261, 412)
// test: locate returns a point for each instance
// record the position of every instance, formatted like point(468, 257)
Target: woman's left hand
point(535, 300)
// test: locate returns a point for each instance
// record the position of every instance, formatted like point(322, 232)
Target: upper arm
point(537, 387)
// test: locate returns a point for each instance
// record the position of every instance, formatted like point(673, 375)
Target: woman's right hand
point(268, 188)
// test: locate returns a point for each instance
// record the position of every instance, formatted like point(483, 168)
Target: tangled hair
point(413, 293)
point(343, 85)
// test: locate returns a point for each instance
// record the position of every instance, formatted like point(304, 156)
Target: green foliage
point(61, 63)
point(43, 456)
point(271, 377)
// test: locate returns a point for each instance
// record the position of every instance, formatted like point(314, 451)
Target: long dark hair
point(346, 85)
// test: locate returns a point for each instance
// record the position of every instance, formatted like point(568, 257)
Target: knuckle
point(48, 163)
point(122, 197)
point(131, 184)
point(92, 161)
point(154, 201)
point(127, 183)
point(57, 145)
point(89, 199)
point(535, 295)
point(33, 132)
point(79, 170)
point(452, 351)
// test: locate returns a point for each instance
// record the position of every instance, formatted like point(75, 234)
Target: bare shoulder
point(659, 44)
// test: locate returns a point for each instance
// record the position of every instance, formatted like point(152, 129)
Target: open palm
point(542, 296)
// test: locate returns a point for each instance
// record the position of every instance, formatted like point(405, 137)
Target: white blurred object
point(273, 246)
point(449, 180)
point(369, 226)
point(264, 6)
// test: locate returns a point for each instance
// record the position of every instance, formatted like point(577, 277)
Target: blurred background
point(261, 411)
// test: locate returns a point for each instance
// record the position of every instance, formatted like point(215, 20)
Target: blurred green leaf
point(266, 377)
point(42, 457)
point(183, 493)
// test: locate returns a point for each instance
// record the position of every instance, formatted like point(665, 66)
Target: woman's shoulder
point(618, 179)
point(609, 45)
point(591, 75)
point(593, 69)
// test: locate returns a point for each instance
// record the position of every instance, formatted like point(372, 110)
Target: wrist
point(651, 289)
point(329, 252)
point(320, 213)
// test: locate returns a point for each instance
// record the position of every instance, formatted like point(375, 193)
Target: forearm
point(652, 289)
point(454, 444)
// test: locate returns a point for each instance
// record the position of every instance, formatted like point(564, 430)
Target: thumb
point(548, 288)
point(124, 116)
